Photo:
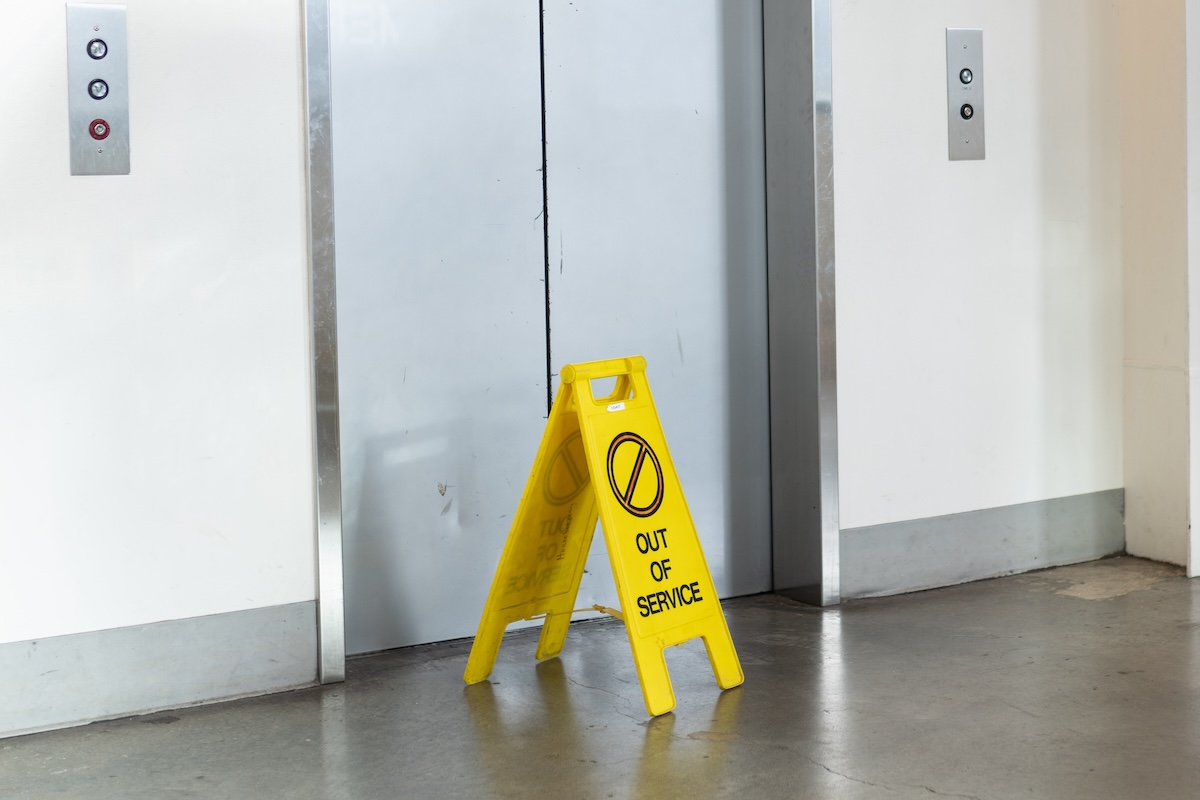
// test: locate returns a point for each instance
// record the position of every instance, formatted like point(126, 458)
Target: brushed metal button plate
point(98, 89)
point(964, 93)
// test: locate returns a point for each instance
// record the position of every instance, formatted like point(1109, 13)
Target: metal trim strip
point(798, 90)
point(827, 420)
point(318, 99)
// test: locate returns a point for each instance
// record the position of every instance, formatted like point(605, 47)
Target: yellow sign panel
point(607, 458)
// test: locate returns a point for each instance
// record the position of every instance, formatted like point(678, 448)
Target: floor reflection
point(831, 680)
point(335, 766)
point(1004, 688)
point(698, 761)
point(509, 723)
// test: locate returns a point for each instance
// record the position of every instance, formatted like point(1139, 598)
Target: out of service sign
point(607, 458)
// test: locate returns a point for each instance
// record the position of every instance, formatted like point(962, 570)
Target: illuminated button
point(99, 129)
point(98, 89)
point(97, 49)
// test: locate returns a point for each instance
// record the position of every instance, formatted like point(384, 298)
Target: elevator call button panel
point(964, 93)
point(98, 89)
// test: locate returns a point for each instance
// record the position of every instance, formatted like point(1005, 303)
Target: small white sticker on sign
point(617, 407)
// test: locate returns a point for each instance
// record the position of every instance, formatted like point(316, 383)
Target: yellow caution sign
point(607, 457)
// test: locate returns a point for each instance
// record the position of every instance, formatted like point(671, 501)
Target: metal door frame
point(318, 105)
point(798, 81)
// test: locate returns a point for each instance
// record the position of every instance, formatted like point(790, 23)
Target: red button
point(99, 129)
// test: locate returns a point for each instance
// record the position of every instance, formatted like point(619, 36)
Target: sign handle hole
point(612, 389)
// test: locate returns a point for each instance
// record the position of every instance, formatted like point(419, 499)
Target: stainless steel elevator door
point(654, 123)
point(441, 314)
point(657, 247)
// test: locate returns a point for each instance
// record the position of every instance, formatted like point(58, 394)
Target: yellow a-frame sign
point(607, 457)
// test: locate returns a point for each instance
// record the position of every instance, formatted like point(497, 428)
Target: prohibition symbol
point(626, 486)
point(566, 473)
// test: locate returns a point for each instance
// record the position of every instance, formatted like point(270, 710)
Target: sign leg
point(558, 617)
point(653, 675)
point(554, 633)
point(486, 648)
point(726, 667)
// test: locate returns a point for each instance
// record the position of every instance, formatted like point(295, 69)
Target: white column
point(1192, 45)
point(1154, 157)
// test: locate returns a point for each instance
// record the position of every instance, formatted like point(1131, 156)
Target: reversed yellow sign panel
point(547, 547)
point(607, 457)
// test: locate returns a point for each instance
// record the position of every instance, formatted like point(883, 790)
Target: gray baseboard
point(943, 551)
point(72, 680)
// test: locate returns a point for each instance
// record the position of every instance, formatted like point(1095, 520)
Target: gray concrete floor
point(1079, 682)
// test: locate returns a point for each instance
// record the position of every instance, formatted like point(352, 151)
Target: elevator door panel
point(441, 313)
point(654, 128)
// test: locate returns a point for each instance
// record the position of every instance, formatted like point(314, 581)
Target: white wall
point(979, 303)
point(154, 348)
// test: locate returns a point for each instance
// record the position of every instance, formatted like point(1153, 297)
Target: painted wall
point(979, 303)
point(154, 346)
